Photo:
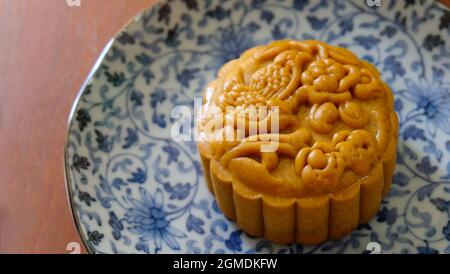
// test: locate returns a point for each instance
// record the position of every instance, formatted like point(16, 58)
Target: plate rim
point(70, 118)
point(68, 182)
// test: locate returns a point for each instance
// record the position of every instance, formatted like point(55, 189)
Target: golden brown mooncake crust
point(337, 142)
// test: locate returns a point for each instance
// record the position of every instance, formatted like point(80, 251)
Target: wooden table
point(46, 50)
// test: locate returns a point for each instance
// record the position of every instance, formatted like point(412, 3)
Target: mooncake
point(332, 120)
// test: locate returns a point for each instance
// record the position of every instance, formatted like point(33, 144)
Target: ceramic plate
point(133, 189)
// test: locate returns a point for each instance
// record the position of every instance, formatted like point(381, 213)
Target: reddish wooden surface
point(46, 51)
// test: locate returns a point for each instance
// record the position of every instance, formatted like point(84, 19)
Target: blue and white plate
point(135, 190)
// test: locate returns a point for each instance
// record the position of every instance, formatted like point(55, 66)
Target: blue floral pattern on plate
point(135, 190)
